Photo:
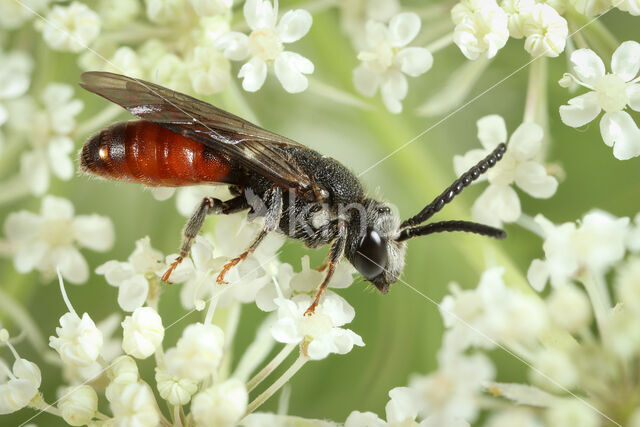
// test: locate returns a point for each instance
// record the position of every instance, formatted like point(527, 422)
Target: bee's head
point(373, 248)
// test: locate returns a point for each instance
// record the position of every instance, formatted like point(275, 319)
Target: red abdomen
point(145, 152)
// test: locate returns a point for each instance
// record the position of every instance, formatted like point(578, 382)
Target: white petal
point(403, 28)
point(289, 68)
point(133, 292)
point(538, 274)
point(30, 257)
point(35, 170)
point(294, 25)
point(532, 177)
point(496, 204)
point(633, 92)
point(94, 232)
point(235, 45)
point(491, 131)
point(619, 129)
point(161, 193)
point(588, 66)
point(376, 33)
point(58, 150)
point(22, 226)
point(394, 89)
point(581, 110)
point(414, 61)
point(285, 330)
point(626, 60)
point(253, 74)
point(526, 140)
point(115, 272)
point(56, 208)
point(73, 266)
point(462, 164)
point(365, 81)
point(259, 14)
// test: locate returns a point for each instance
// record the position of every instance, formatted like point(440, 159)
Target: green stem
point(271, 366)
point(440, 43)
point(286, 376)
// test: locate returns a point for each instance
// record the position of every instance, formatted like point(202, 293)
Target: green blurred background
point(402, 330)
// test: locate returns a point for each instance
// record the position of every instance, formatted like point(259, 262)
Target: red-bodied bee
point(301, 193)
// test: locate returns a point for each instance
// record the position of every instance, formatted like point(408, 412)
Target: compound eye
point(371, 257)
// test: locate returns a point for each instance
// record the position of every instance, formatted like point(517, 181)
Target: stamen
point(64, 293)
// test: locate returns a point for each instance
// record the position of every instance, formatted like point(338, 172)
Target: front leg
point(273, 202)
point(334, 257)
point(208, 206)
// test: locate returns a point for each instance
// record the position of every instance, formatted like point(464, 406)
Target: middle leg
point(273, 201)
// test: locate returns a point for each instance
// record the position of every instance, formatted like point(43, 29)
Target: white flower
point(480, 30)
point(23, 384)
point(387, 57)
point(596, 245)
point(142, 332)
point(569, 308)
point(48, 132)
point(354, 14)
point(79, 405)
point(611, 92)
point(134, 405)
point(288, 283)
point(19, 385)
point(545, 30)
point(453, 390)
point(322, 330)
point(517, 14)
point(14, 14)
point(44, 241)
point(71, 28)
point(175, 390)
point(265, 46)
point(117, 13)
point(490, 313)
point(627, 284)
point(591, 7)
point(78, 340)
point(221, 405)
point(126, 60)
point(198, 352)
point(15, 73)
point(573, 412)
point(123, 371)
point(211, 7)
point(631, 6)
point(209, 70)
point(132, 277)
point(163, 11)
point(499, 202)
point(521, 417)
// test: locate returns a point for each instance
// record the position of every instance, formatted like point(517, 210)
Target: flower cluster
point(130, 360)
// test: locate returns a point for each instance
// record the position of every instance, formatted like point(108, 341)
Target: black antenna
point(439, 227)
point(455, 188)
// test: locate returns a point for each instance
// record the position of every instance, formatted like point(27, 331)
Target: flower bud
point(79, 341)
point(142, 332)
point(221, 405)
point(198, 352)
point(176, 391)
point(79, 406)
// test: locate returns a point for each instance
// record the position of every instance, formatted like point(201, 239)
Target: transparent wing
point(254, 147)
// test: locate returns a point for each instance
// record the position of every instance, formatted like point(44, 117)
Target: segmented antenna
point(448, 226)
point(454, 189)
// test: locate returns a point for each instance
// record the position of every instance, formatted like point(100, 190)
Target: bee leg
point(273, 200)
point(208, 206)
point(334, 257)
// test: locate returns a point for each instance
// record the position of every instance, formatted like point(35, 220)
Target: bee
point(180, 141)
